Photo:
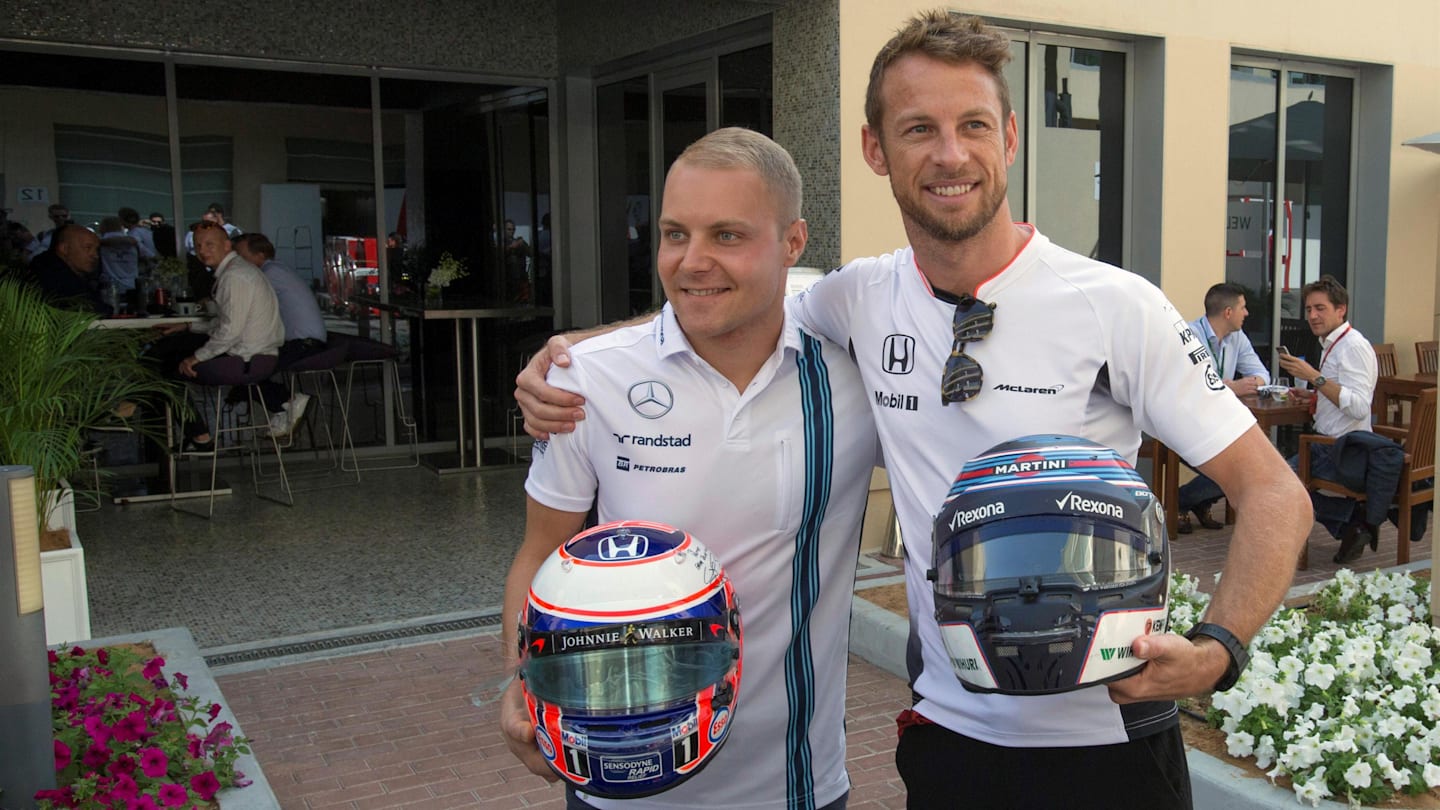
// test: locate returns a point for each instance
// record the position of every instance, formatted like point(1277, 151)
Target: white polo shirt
point(1078, 347)
point(774, 481)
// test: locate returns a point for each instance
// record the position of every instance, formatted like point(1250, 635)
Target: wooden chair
point(1418, 443)
point(1425, 356)
point(1385, 359)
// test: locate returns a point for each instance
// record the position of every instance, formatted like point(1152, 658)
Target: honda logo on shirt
point(899, 354)
point(623, 547)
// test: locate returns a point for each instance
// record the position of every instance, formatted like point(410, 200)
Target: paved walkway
point(401, 728)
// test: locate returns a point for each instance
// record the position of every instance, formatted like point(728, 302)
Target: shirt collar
point(226, 262)
point(1329, 340)
point(670, 339)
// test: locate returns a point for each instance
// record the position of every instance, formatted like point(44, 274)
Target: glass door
point(643, 123)
point(1287, 175)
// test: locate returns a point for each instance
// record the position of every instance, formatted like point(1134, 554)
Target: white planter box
point(62, 576)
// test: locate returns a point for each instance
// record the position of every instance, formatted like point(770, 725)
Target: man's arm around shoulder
point(1273, 520)
point(545, 530)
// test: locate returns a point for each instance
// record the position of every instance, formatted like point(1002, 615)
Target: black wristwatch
point(1320, 382)
point(1239, 656)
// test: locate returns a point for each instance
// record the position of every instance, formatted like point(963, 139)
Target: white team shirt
point(1347, 358)
point(667, 438)
point(1078, 347)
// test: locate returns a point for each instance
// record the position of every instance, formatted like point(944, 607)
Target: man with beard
point(1068, 346)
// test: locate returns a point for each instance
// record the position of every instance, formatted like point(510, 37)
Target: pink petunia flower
point(63, 797)
point(96, 728)
point(193, 747)
point(152, 668)
point(214, 710)
point(154, 762)
point(182, 680)
point(96, 756)
point(62, 756)
point(132, 727)
point(142, 802)
point(102, 655)
point(123, 764)
point(124, 787)
point(205, 784)
point(173, 795)
point(77, 651)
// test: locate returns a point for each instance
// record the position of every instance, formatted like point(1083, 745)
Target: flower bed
point(1341, 699)
point(127, 736)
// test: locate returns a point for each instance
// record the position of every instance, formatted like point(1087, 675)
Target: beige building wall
point(1199, 41)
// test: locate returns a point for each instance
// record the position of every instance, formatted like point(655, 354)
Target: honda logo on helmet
point(899, 354)
point(623, 547)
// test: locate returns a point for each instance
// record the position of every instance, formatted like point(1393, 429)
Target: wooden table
point(1166, 462)
point(1270, 413)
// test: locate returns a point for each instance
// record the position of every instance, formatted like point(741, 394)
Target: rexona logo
point(630, 769)
point(1081, 504)
point(1050, 390)
point(964, 516)
point(653, 441)
point(900, 402)
point(1115, 653)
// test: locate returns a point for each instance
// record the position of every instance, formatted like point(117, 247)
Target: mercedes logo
point(651, 399)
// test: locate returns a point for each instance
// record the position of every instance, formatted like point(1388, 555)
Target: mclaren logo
point(651, 399)
point(1048, 390)
point(898, 354)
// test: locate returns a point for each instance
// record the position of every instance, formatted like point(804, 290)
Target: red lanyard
point(1336, 342)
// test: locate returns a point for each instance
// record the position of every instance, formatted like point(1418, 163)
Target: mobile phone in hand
point(1284, 350)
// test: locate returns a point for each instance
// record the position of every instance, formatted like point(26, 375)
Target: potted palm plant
point(59, 377)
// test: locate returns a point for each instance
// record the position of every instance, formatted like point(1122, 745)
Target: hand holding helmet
point(1050, 559)
point(630, 651)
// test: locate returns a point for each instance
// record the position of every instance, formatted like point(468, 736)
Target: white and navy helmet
point(630, 658)
point(1050, 559)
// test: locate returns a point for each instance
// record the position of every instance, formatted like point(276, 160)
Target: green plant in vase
point(447, 270)
point(60, 377)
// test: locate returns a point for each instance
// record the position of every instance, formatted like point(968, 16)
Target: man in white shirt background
point(240, 344)
point(1344, 385)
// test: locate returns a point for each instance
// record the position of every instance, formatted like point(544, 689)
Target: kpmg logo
point(1187, 335)
point(898, 354)
point(651, 399)
point(624, 547)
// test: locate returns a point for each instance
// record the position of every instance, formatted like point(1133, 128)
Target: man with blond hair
point(742, 447)
point(1070, 346)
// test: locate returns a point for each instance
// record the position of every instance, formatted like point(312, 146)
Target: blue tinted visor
point(629, 680)
point(1055, 549)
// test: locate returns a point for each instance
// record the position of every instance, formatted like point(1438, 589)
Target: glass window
point(288, 155)
point(1274, 241)
point(1080, 151)
point(88, 134)
point(622, 114)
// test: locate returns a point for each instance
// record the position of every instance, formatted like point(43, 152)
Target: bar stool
point(230, 433)
point(361, 353)
point(312, 373)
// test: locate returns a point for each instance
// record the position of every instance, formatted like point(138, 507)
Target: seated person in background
point(240, 344)
point(66, 272)
point(1343, 386)
point(304, 327)
point(139, 230)
point(1236, 365)
point(119, 256)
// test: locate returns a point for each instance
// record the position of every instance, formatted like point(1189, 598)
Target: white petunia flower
point(1313, 789)
point(1240, 744)
point(1432, 775)
point(1359, 775)
point(1321, 676)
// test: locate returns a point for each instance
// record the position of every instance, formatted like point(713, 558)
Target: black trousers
point(944, 770)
